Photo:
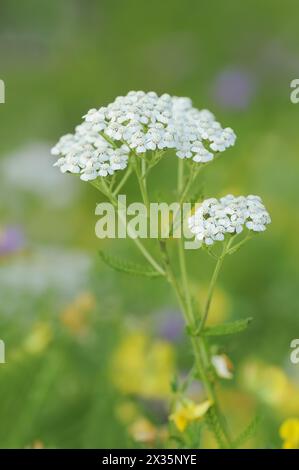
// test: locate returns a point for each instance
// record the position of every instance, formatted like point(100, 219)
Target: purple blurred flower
point(159, 409)
point(234, 88)
point(194, 388)
point(170, 325)
point(11, 240)
point(277, 60)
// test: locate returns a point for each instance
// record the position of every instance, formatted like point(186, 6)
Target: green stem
point(235, 247)
point(180, 175)
point(154, 161)
point(225, 251)
point(122, 181)
point(109, 140)
point(201, 354)
point(183, 190)
point(210, 293)
point(140, 172)
point(148, 256)
point(197, 343)
point(105, 190)
point(185, 282)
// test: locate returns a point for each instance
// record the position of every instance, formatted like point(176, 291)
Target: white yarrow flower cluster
point(88, 153)
point(230, 214)
point(140, 122)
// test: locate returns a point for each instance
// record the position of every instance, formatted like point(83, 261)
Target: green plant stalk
point(201, 353)
point(197, 345)
point(182, 189)
point(140, 168)
point(158, 154)
point(122, 181)
point(147, 255)
point(225, 251)
point(211, 291)
point(202, 358)
point(236, 247)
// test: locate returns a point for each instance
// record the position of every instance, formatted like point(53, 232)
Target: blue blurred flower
point(234, 88)
point(11, 240)
point(170, 325)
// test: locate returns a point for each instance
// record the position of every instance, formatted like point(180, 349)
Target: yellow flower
point(75, 316)
point(126, 412)
point(39, 338)
point(85, 301)
point(289, 433)
point(269, 382)
point(37, 444)
point(187, 411)
point(142, 430)
point(220, 306)
point(272, 385)
point(143, 367)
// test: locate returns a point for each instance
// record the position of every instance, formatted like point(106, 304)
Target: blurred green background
point(73, 329)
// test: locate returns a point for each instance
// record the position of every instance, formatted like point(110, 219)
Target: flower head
point(234, 88)
point(230, 214)
point(223, 366)
point(88, 153)
point(270, 383)
point(140, 122)
point(39, 338)
point(142, 430)
point(187, 411)
point(11, 240)
point(75, 317)
point(289, 433)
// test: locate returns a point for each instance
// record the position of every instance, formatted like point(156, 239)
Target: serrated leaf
point(248, 432)
point(227, 328)
point(212, 421)
point(127, 267)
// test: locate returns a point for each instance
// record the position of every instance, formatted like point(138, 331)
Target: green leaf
point(248, 432)
point(127, 267)
point(212, 421)
point(191, 330)
point(227, 328)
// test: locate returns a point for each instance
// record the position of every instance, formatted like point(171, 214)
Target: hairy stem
point(122, 181)
point(210, 293)
point(201, 353)
point(140, 168)
point(147, 255)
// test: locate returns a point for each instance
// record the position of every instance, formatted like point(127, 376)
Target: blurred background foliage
point(89, 352)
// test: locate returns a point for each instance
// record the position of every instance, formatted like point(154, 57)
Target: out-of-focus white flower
point(223, 366)
point(230, 214)
point(139, 122)
point(47, 269)
point(28, 169)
